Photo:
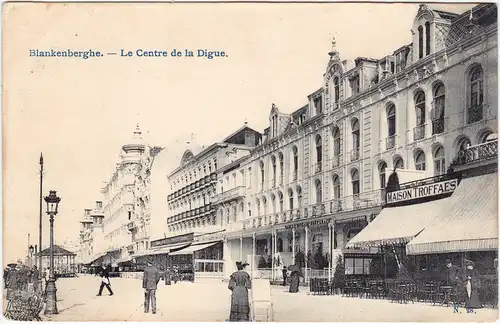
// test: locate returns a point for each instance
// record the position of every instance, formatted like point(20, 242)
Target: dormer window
point(318, 105)
point(354, 80)
point(427, 38)
point(420, 42)
point(336, 90)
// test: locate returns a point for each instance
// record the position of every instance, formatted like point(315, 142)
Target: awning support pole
point(253, 254)
point(330, 250)
point(272, 254)
point(293, 245)
point(306, 254)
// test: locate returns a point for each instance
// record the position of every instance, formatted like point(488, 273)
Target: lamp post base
point(51, 305)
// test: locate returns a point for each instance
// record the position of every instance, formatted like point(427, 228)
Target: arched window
point(258, 207)
point(249, 210)
point(295, 162)
point(355, 182)
point(280, 158)
point(398, 163)
point(280, 197)
point(420, 161)
point(290, 198)
point(475, 108)
point(391, 126)
point(273, 202)
point(336, 187)
point(419, 131)
point(319, 153)
point(355, 140)
point(262, 175)
point(439, 161)
point(381, 169)
point(264, 203)
point(427, 38)
point(273, 163)
point(487, 136)
point(438, 111)
point(463, 144)
point(299, 197)
point(319, 191)
point(336, 89)
point(336, 141)
point(420, 42)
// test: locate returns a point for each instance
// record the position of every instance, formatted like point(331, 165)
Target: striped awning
point(193, 248)
point(397, 225)
point(468, 223)
point(162, 250)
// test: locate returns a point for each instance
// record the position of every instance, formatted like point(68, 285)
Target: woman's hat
point(238, 263)
point(469, 263)
point(244, 264)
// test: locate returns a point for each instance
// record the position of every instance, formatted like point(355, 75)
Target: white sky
point(79, 112)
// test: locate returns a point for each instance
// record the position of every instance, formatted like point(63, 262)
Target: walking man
point(150, 281)
point(105, 281)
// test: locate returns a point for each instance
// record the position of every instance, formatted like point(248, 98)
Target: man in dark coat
point(285, 275)
point(150, 281)
point(453, 279)
point(105, 281)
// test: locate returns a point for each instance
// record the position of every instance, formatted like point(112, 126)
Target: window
point(382, 167)
point(290, 198)
point(318, 105)
point(427, 38)
point(319, 153)
point(336, 187)
point(249, 210)
point(487, 136)
point(358, 266)
point(273, 202)
point(319, 192)
point(355, 135)
point(273, 162)
point(355, 181)
point(398, 163)
point(336, 141)
point(355, 84)
point(280, 158)
point(420, 42)
point(419, 131)
point(420, 161)
point(262, 175)
point(299, 197)
point(439, 161)
point(295, 162)
point(336, 89)
point(438, 111)
point(475, 110)
point(317, 244)
point(258, 207)
point(264, 202)
point(280, 197)
point(391, 120)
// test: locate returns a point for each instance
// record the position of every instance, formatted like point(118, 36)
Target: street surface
point(209, 301)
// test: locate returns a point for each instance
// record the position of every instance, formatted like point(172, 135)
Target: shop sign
point(310, 223)
point(429, 190)
point(209, 237)
point(185, 238)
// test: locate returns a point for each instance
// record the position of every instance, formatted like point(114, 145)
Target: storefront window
point(358, 266)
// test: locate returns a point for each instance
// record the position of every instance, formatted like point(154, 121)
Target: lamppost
point(31, 248)
point(52, 204)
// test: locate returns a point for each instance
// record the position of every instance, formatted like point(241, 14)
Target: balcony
point(477, 153)
point(317, 167)
point(437, 126)
point(419, 132)
point(131, 226)
point(474, 114)
point(229, 195)
point(336, 161)
point(354, 154)
point(390, 142)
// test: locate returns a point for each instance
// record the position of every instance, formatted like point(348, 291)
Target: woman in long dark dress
point(472, 285)
point(239, 284)
point(294, 281)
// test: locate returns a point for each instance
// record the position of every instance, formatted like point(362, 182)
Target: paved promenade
point(209, 301)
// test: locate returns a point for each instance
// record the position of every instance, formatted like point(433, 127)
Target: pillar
point(241, 248)
point(330, 250)
point(307, 250)
point(293, 245)
point(226, 256)
point(253, 255)
point(272, 255)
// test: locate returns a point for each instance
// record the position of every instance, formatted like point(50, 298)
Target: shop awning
point(96, 257)
point(161, 250)
point(397, 225)
point(193, 248)
point(468, 223)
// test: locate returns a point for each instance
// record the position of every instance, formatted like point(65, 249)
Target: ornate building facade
point(319, 175)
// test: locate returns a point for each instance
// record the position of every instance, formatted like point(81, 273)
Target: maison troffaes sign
point(423, 191)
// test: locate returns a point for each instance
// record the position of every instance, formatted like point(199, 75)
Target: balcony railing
point(478, 153)
point(317, 167)
point(229, 195)
point(336, 161)
point(419, 132)
point(354, 154)
point(355, 202)
point(474, 114)
point(437, 126)
point(390, 142)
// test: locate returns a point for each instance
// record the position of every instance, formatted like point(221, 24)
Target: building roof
point(58, 251)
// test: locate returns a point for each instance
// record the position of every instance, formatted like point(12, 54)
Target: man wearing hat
point(453, 278)
point(150, 281)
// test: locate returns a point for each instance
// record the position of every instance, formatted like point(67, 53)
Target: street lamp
point(52, 205)
point(31, 248)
